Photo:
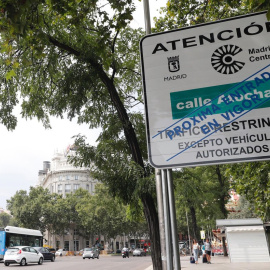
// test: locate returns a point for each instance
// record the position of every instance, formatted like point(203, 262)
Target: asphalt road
point(77, 263)
point(134, 263)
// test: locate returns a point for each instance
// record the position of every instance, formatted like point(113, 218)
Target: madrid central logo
point(223, 59)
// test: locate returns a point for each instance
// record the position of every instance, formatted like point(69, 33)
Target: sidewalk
point(220, 263)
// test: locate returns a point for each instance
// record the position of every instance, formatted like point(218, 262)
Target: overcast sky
point(24, 150)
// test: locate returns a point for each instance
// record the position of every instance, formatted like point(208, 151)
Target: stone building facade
point(59, 176)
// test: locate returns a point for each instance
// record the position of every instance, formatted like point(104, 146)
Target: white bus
point(14, 236)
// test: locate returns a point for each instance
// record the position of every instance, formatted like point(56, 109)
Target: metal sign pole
point(147, 21)
point(161, 218)
point(158, 172)
point(167, 220)
point(173, 221)
point(189, 244)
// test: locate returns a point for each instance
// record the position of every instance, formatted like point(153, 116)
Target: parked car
point(22, 255)
point(90, 253)
point(52, 250)
point(47, 255)
point(139, 252)
point(61, 252)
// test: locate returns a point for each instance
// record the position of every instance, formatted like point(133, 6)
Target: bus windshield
point(13, 239)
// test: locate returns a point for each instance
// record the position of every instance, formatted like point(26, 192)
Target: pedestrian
point(208, 250)
point(195, 248)
point(203, 249)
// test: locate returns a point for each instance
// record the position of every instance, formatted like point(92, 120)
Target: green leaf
point(10, 74)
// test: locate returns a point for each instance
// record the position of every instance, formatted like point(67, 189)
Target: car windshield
point(88, 249)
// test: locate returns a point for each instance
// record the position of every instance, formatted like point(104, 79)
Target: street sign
point(207, 91)
point(202, 234)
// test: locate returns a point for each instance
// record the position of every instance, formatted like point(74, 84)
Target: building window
point(67, 188)
point(66, 245)
point(87, 243)
point(76, 186)
point(67, 177)
point(87, 187)
point(57, 244)
point(60, 188)
point(76, 177)
point(60, 178)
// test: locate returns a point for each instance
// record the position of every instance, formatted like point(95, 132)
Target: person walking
point(195, 248)
point(208, 250)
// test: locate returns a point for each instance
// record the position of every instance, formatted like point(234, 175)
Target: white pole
point(161, 218)
point(167, 220)
point(147, 21)
point(173, 221)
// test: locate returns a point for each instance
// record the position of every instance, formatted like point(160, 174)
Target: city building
point(59, 176)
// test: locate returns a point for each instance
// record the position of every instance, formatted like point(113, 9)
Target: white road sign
point(207, 91)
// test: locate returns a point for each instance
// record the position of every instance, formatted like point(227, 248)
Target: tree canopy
point(201, 193)
point(6, 219)
point(244, 209)
point(92, 215)
point(80, 58)
point(252, 180)
point(178, 14)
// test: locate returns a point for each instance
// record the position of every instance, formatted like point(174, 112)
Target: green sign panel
point(185, 103)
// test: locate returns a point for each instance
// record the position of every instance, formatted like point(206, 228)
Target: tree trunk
point(194, 222)
point(130, 135)
point(151, 216)
point(223, 193)
point(150, 211)
point(224, 247)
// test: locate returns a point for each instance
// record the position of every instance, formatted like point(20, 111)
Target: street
point(134, 263)
point(77, 262)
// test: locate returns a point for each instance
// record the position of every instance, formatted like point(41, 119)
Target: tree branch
point(63, 46)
